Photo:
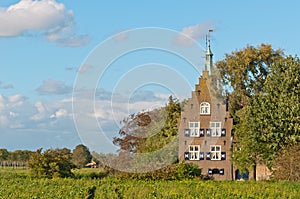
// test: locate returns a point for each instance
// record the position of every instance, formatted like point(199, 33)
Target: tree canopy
point(244, 72)
point(81, 156)
point(270, 121)
point(52, 163)
point(149, 131)
point(263, 87)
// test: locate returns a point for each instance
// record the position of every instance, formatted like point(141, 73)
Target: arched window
point(204, 108)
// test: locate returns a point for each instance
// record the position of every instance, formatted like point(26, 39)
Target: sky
point(51, 50)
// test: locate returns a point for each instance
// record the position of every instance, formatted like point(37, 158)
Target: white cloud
point(53, 87)
point(60, 113)
point(47, 119)
point(41, 112)
point(47, 16)
point(196, 32)
point(10, 108)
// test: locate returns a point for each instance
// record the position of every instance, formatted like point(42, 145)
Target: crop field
point(18, 183)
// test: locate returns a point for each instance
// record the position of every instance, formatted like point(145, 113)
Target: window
point(215, 152)
point(194, 151)
point(204, 108)
point(215, 129)
point(194, 128)
point(216, 171)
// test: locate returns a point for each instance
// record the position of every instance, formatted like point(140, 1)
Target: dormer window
point(204, 108)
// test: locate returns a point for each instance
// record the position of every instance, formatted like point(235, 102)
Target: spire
point(209, 55)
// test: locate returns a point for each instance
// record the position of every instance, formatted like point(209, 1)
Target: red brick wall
point(191, 113)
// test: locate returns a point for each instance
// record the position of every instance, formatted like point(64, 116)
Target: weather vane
point(208, 35)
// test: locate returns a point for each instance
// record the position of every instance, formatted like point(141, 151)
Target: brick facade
point(209, 146)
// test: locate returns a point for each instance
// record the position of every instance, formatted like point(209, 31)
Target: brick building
point(205, 130)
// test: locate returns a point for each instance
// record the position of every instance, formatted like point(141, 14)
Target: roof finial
point(208, 36)
point(209, 54)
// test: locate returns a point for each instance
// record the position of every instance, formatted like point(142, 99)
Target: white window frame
point(194, 151)
point(215, 152)
point(194, 129)
point(204, 108)
point(216, 129)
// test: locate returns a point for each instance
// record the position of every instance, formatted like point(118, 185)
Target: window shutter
point(201, 156)
point(221, 171)
point(210, 172)
point(201, 132)
point(223, 155)
point(208, 132)
point(207, 155)
point(187, 132)
point(223, 132)
point(186, 155)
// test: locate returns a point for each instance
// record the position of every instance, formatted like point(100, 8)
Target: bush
point(176, 171)
point(287, 164)
point(51, 163)
point(188, 171)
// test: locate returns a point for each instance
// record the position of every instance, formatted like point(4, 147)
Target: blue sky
point(44, 43)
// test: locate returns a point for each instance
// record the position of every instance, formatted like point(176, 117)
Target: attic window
point(204, 108)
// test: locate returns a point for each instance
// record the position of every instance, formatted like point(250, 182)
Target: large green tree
point(243, 73)
point(81, 156)
point(270, 121)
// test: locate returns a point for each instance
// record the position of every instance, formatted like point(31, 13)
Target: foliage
point(287, 164)
point(4, 154)
point(271, 119)
point(178, 171)
point(188, 171)
point(244, 72)
point(89, 173)
point(149, 131)
point(81, 156)
point(148, 140)
point(18, 155)
point(22, 186)
point(52, 163)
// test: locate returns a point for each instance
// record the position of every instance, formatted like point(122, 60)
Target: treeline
point(18, 158)
point(79, 157)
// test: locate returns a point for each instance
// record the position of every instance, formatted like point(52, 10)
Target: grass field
point(17, 183)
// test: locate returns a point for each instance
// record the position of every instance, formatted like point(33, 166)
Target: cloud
point(196, 32)
point(8, 86)
point(48, 16)
point(70, 68)
point(10, 108)
point(53, 87)
point(33, 125)
point(84, 68)
point(41, 112)
point(120, 36)
point(60, 113)
point(68, 39)
point(40, 120)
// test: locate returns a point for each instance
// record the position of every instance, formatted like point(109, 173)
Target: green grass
point(19, 184)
